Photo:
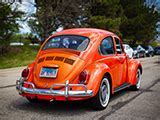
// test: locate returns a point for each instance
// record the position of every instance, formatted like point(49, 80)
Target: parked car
point(139, 51)
point(149, 51)
point(157, 51)
point(79, 64)
point(128, 50)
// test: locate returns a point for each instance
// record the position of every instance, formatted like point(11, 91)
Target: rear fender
point(30, 76)
point(96, 72)
point(31, 69)
point(133, 65)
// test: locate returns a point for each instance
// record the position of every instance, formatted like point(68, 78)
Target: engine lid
point(67, 66)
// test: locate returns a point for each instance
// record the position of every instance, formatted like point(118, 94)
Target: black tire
point(150, 55)
point(101, 100)
point(138, 81)
point(32, 100)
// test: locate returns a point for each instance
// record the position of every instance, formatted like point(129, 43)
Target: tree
point(106, 14)
point(140, 23)
point(9, 25)
point(50, 15)
point(130, 19)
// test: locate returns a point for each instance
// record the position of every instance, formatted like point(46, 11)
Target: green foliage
point(140, 23)
point(155, 43)
point(130, 19)
point(106, 23)
point(107, 15)
point(24, 38)
point(18, 56)
point(8, 24)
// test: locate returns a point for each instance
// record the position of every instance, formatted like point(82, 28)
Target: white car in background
point(128, 50)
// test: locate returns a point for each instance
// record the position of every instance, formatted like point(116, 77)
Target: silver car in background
point(128, 50)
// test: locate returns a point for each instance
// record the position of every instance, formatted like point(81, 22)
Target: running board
point(123, 86)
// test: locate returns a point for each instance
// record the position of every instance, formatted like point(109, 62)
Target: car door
point(122, 62)
point(108, 56)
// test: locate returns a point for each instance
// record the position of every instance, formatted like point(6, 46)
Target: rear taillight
point(25, 73)
point(83, 77)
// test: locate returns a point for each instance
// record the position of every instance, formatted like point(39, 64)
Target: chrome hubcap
point(138, 77)
point(104, 92)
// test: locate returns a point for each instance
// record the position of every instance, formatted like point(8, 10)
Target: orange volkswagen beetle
point(78, 64)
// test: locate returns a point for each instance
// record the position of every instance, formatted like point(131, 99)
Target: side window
point(119, 46)
point(107, 46)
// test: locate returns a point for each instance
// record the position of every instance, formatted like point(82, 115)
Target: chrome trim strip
point(121, 87)
point(52, 92)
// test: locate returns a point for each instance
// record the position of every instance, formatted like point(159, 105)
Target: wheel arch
point(97, 72)
point(133, 66)
point(108, 75)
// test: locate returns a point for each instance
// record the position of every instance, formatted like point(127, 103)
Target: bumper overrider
point(66, 92)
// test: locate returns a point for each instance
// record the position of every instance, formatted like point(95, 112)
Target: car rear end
point(57, 73)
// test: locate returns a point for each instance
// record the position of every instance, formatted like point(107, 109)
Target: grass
point(18, 56)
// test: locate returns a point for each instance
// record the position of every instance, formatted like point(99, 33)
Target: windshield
point(67, 41)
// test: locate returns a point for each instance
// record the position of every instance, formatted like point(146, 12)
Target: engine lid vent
point(69, 61)
point(49, 58)
point(57, 58)
point(41, 60)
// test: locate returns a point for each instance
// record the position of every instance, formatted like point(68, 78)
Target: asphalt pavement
point(124, 105)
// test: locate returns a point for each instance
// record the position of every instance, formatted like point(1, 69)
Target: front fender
point(133, 65)
point(96, 71)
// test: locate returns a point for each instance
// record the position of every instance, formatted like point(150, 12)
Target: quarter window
point(107, 46)
point(119, 46)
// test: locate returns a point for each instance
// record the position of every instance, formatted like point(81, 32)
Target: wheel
point(138, 80)
point(32, 100)
point(138, 56)
point(101, 100)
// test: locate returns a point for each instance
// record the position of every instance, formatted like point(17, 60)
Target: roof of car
point(88, 32)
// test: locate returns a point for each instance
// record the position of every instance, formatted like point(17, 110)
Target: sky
point(26, 6)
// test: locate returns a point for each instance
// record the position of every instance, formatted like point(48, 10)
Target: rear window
point(67, 41)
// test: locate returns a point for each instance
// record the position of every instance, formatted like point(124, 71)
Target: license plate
point(48, 72)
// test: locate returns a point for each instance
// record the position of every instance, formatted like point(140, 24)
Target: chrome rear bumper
point(66, 92)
